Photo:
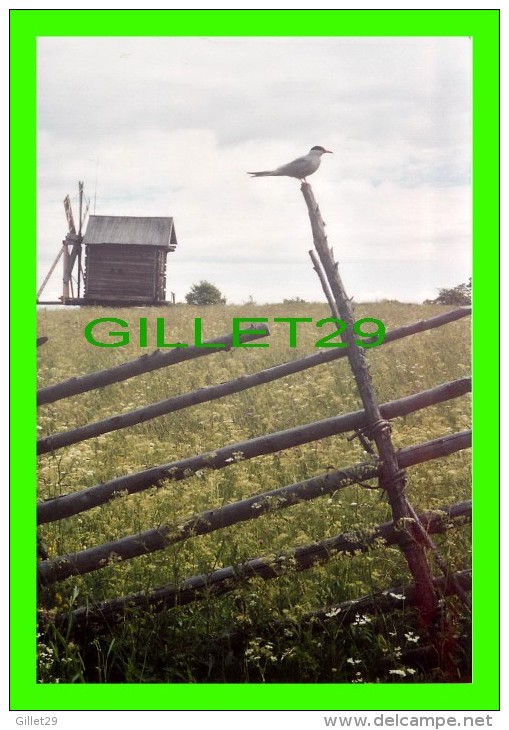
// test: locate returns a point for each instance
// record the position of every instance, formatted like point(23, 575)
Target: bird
point(299, 168)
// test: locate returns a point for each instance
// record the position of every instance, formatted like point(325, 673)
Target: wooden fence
point(410, 531)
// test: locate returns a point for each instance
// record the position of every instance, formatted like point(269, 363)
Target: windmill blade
point(68, 215)
point(85, 213)
point(72, 238)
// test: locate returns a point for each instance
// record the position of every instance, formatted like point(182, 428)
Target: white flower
point(412, 637)
point(361, 620)
point(400, 672)
point(333, 612)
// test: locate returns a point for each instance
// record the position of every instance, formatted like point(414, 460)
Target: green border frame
point(483, 27)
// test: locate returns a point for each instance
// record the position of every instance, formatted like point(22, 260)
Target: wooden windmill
point(124, 262)
point(71, 251)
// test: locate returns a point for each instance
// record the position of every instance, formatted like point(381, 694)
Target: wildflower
point(399, 672)
point(361, 620)
point(399, 596)
point(351, 660)
point(333, 612)
point(412, 637)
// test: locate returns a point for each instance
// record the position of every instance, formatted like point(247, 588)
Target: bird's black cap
point(319, 148)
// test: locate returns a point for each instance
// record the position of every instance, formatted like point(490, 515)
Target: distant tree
point(205, 293)
point(295, 300)
point(459, 296)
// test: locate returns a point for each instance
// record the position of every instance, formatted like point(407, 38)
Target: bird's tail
point(261, 174)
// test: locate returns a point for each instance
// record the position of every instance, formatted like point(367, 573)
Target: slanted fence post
point(392, 479)
point(325, 284)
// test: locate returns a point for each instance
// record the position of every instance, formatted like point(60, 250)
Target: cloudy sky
point(169, 127)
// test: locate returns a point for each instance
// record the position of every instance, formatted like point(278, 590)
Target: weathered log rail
point(144, 364)
point(226, 579)
point(347, 612)
point(71, 504)
point(251, 508)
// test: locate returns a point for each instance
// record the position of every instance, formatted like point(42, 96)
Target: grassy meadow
point(187, 643)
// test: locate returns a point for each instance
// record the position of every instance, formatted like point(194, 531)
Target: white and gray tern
point(299, 168)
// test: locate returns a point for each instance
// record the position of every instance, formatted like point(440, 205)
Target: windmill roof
point(122, 229)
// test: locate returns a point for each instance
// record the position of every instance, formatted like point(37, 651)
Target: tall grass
point(190, 649)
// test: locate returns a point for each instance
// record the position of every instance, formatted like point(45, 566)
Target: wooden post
point(79, 273)
point(67, 275)
point(324, 283)
point(393, 479)
point(80, 233)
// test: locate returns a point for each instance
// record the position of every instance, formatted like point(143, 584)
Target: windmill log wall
point(130, 273)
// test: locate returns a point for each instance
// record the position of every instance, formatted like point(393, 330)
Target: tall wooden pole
point(80, 233)
point(393, 479)
point(67, 274)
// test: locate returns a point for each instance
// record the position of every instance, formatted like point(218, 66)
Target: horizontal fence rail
point(346, 612)
point(226, 579)
point(143, 364)
point(388, 600)
point(71, 504)
point(251, 508)
point(213, 392)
